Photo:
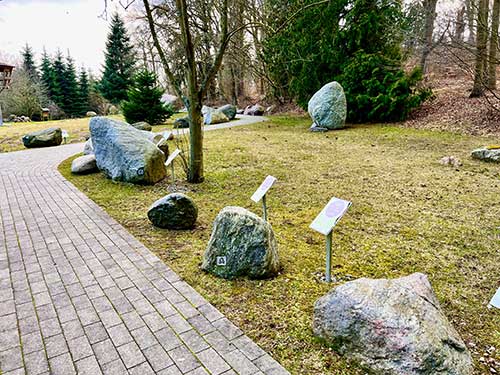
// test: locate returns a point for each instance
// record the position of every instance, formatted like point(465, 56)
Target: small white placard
point(172, 156)
point(221, 261)
point(495, 301)
point(263, 188)
point(330, 215)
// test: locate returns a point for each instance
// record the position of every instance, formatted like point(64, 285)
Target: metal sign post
point(170, 162)
point(260, 194)
point(324, 224)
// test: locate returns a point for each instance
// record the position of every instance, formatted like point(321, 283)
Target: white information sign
point(263, 188)
point(330, 215)
point(172, 156)
point(495, 301)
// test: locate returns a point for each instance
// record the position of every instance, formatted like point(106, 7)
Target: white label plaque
point(330, 215)
point(221, 261)
point(172, 156)
point(495, 301)
point(263, 188)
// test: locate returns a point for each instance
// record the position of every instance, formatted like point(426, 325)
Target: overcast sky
point(72, 25)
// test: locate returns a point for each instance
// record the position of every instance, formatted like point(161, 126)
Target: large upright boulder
point(124, 153)
point(229, 110)
point(328, 107)
point(174, 211)
point(242, 244)
point(43, 138)
point(391, 327)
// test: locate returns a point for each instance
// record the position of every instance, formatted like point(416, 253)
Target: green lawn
point(409, 214)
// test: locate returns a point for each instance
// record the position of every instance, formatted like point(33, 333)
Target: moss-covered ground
point(409, 214)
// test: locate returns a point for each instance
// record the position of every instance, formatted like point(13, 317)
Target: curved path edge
point(80, 295)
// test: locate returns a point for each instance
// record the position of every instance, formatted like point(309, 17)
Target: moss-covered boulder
point(43, 138)
point(174, 211)
point(391, 327)
point(242, 244)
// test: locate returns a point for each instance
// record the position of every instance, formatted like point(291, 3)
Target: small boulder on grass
point(84, 165)
point(174, 211)
point(242, 244)
point(43, 138)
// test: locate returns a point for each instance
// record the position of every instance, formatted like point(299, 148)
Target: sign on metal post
point(260, 193)
point(495, 301)
point(170, 161)
point(324, 224)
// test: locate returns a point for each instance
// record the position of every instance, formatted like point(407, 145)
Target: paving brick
point(144, 337)
point(194, 341)
point(119, 335)
point(56, 345)
point(88, 366)
point(213, 361)
point(11, 359)
point(105, 351)
point(183, 359)
point(80, 348)
point(158, 357)
point(115, 367)
point(96, 332)
point(142, 369)
point(131, 355)
point(36, 363)
point(32, 342)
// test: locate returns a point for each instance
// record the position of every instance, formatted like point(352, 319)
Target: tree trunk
point(471, 16)
point(481, 50)
point(195, 138)
point(492, 63)
point(458, 36)
point(430, 17)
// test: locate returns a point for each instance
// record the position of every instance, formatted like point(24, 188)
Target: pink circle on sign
point(335, 209)
point(267, 183)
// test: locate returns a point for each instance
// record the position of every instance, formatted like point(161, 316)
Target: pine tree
point(83, 103)
point(47, 76)
point(29, 63)
point(119, 63)
point(70, 88)
point(144, 101)
point(59, 76)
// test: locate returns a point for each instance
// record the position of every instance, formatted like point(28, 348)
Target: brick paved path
point(79, 294)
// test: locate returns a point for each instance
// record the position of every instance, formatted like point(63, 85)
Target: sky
point(73, 25)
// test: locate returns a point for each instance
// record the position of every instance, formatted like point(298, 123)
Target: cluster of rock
point(43, 138)
point(14, 118)
point(220, 115)
point(123, 152)
point(488, 153)
point(391, 327)
point(452, 161)
point(328, 108)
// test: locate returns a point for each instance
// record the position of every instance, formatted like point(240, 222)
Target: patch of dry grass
point(409, 214)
